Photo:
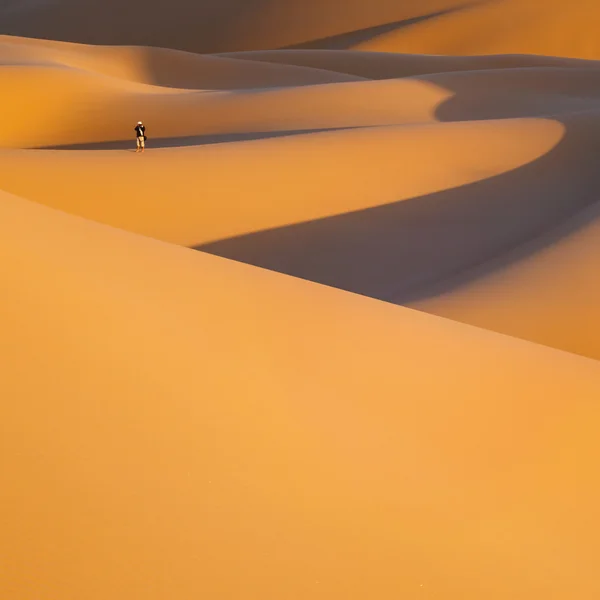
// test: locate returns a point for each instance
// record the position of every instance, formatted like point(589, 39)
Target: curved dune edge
point(387, 65)
point(544, 291)
point(159, 66)
point(75, 100)
point(183, 195)
point(556, 28)
point(313, 471)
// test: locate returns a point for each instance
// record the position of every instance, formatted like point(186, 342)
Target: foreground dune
point(360, 450)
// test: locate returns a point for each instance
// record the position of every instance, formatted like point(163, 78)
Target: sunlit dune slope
point(176, 423)
point(82, 108)
point(158, 66)
point(214, 192)
point(552, 27)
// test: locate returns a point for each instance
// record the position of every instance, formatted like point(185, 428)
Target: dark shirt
point(140, 130)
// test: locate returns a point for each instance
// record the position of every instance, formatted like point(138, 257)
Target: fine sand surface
point(175, 423)
point(334, 335)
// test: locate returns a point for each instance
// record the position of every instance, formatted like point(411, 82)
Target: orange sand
point(176, 424)
point(548, 27)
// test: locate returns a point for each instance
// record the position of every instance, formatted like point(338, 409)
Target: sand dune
point(285, 181)
point(285, 425)
point(388, 65)
point(209, 25)
point(455, 27)
point(159, 66)
point(336, 176)
point(552, 27)
point(135, 463)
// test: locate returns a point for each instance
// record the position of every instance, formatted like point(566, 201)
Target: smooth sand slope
point(175, 423)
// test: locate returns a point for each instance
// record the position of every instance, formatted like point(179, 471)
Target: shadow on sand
point(194, 140)
point(400, 252)
point(345, 41)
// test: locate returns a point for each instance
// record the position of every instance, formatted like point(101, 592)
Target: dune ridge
point(333, 335)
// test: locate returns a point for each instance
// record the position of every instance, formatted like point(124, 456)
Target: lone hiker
point(140, 131)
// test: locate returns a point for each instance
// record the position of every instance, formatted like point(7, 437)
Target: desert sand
point(334, 335)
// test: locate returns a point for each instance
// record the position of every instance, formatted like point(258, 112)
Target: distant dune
point(208, 25)
point(333, 336)
point(551, 27)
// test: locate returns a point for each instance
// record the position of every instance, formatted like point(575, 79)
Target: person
point(140, 131)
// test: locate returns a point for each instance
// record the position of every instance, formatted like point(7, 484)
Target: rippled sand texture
point(335, 335)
